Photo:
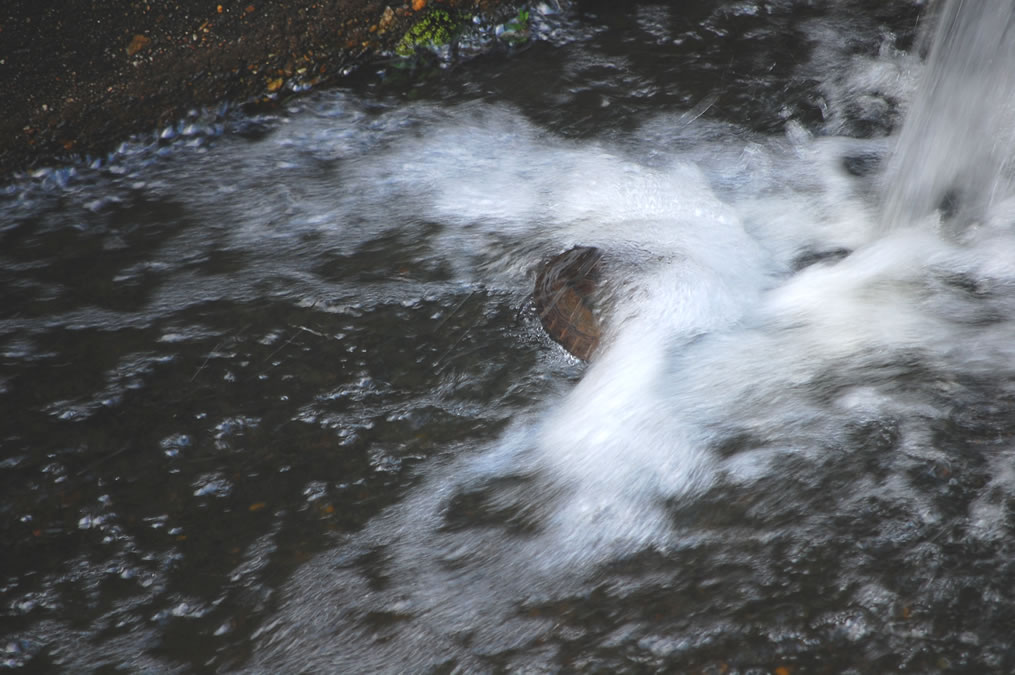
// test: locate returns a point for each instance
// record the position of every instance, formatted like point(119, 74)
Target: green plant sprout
point(516, 31)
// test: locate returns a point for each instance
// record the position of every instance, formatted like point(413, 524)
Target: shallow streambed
point(277, 400)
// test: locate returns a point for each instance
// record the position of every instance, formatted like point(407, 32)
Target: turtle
point(563, 297)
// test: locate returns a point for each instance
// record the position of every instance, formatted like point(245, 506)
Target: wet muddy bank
point(78, 79)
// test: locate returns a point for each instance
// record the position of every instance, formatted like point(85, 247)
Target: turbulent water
point(278, 401)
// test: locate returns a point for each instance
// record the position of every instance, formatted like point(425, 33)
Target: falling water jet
point(953, 154)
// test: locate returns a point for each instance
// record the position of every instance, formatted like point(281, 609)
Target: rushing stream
point(277, 401)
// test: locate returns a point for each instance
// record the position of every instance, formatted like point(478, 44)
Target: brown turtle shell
point(563, 299)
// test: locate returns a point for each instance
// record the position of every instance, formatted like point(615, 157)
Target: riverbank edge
point(80, 81)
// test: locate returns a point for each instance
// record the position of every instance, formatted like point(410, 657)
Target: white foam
point(710, 330)
point(714, 337)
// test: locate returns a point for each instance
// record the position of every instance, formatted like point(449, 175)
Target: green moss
point(435, 29)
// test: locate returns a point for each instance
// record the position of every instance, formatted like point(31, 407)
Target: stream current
point(277, 401)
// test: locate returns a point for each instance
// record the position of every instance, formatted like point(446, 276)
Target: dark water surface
point(276, 400)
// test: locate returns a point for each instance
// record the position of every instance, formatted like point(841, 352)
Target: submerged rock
point(563, 297)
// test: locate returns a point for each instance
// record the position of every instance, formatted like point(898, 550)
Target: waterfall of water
point(954, 151)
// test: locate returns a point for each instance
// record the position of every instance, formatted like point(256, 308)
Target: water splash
point(725, 363)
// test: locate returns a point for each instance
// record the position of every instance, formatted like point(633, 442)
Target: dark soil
point(76, 78)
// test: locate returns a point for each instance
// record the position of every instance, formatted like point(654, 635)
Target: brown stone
point(563, 297)
point(137, 43)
